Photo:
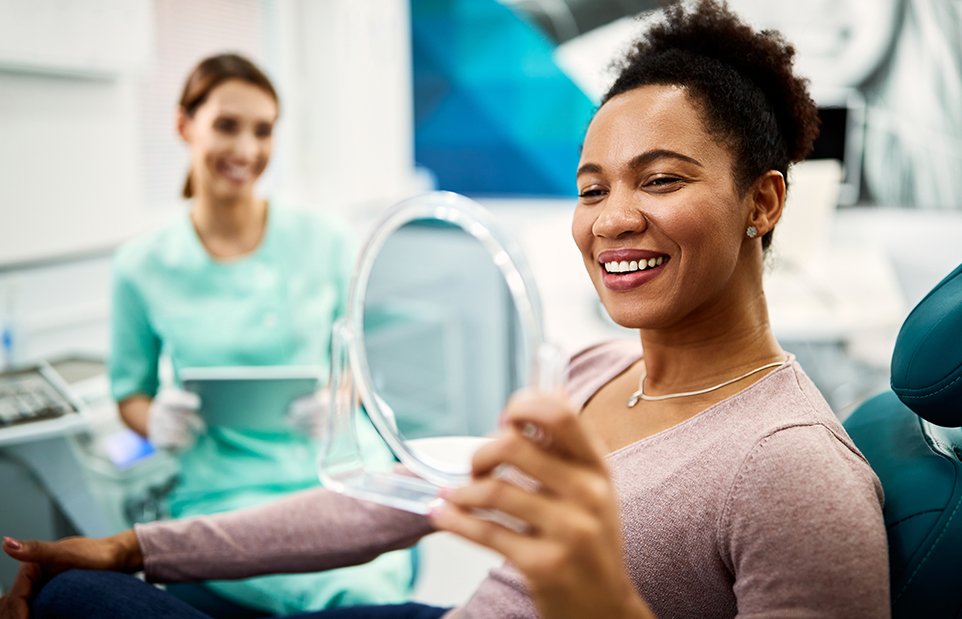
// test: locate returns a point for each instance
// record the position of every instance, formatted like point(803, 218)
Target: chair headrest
point(927, 362)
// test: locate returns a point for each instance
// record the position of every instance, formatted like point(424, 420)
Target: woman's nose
point(621, 215)
point(246, 145)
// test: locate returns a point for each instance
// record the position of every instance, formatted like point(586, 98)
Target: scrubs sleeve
point(134, 345)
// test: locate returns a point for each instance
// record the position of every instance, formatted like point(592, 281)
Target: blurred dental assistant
point(237, 280)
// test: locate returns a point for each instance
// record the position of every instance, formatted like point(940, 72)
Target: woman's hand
point(308, 414)
point(570, 549)
point(173, 422)
point(42, 560)
point(16, 603)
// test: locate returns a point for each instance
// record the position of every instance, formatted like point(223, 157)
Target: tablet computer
point(250, 397)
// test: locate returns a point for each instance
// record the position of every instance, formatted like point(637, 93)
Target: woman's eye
point(591, 193)
point(263, 131)
point(225, 125)
point(664, 182)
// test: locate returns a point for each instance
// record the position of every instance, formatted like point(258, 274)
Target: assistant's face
point(230, 138)
point(659, 222)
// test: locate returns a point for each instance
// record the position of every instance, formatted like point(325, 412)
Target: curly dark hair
point(740, 78)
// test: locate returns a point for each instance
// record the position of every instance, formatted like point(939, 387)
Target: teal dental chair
point(911, 436)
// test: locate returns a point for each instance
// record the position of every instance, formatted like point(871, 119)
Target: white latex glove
point(173, 422)
point(306, 414)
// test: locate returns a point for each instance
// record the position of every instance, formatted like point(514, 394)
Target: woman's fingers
point(547, 555)
point(29, 579)
point(42, 560)
point(565, 499)
point(544, 471)
point(499, 537)
point(542, 515)
point(549, 419)
point(51, 555)
point(118, 552)
point(27, 551)
point(490, 494)
point(16, 603)
point(553, 473)
point(27, 582)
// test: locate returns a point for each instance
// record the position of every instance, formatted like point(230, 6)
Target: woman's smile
point(626, 269)
point(238, 173)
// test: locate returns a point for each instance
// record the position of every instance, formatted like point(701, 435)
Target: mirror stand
point(341, 462)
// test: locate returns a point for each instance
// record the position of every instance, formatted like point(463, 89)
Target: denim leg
point(411, 610)
point(206, 601)
point(77, 594)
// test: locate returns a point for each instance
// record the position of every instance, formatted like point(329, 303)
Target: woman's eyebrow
point(641, 160)
point(661, 153)
point(588, 168)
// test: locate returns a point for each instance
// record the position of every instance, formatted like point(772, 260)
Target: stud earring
point(751, 232)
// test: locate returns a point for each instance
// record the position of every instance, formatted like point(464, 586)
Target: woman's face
point(229, 137)
point(659, 222)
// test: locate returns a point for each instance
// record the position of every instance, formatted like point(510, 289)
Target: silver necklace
point(641, 395)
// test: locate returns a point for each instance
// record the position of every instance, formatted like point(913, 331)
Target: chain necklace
point(641, 395)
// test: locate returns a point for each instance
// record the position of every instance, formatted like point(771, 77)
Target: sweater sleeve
point(310, 531)
point(802, 530)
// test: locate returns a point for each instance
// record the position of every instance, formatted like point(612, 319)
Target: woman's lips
point(237, 173)
point(625, 269)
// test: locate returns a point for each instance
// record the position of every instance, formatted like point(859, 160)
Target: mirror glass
point(441, 335)
point(443, 326)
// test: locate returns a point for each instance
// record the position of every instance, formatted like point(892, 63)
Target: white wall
point(71, 180)
point(345, 71)
point(59, 309)
point(69, 120)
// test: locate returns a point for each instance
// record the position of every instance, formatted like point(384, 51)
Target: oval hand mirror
point(443, 324)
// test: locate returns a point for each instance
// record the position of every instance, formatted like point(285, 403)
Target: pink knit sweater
point(759, 506)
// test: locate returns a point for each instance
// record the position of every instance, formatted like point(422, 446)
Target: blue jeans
point(80, 594)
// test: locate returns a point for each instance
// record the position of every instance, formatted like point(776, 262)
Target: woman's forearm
point(134, 411)
point(309, 531)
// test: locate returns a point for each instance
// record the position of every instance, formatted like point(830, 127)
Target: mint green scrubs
point(274, 306)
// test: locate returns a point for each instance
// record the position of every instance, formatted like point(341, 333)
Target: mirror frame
point(506, 254)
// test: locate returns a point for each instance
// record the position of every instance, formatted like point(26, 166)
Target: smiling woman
point(729, 489)
point(237, 281)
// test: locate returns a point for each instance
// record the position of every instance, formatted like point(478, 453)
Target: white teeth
point(237, 173)
point(635, 265)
